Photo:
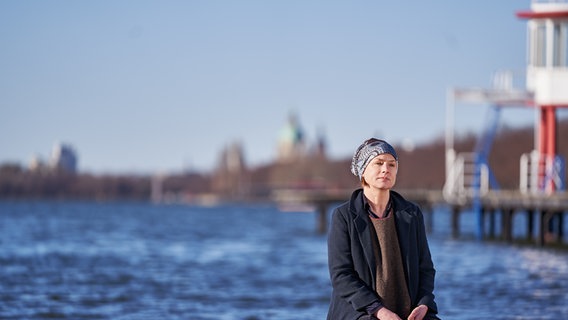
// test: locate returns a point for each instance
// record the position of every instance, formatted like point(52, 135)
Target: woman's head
point(367, 152)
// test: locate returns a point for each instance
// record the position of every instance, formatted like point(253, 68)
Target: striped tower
point(547, 80)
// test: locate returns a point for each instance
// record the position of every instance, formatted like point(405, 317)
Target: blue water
point(139, 261)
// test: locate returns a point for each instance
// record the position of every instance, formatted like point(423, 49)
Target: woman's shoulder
point(354, 204)
point(344, 208)
point(401, 203)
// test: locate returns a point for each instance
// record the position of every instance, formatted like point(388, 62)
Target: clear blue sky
point(146, 86)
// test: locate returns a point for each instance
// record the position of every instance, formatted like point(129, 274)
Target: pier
point(544, 216)
point(323, 200)
point(544, 213)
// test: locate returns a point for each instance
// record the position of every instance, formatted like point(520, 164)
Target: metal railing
point(541, 174)
point(467, 178)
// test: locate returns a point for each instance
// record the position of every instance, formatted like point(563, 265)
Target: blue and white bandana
point(366, 152)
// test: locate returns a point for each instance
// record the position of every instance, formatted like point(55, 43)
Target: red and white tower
point(547, 78)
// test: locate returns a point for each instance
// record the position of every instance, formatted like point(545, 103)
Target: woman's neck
point(378, 199)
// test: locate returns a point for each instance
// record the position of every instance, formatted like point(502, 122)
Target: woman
point(379, 259)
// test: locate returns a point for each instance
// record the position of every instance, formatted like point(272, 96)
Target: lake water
point(73, 260)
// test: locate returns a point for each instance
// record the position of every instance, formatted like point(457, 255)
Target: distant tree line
point(17, 183)
point(422, 167)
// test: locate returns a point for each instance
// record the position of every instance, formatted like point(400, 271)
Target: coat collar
point(356, 204)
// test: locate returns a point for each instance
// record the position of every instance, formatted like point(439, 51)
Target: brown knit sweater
point(391, 281)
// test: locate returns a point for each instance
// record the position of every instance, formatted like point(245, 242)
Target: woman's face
point(381, 172)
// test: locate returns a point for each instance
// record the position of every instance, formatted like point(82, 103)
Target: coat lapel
point(362, 226)
point(403, 230)
point(403, 227)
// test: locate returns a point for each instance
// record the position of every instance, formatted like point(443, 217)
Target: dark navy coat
point(352, 264)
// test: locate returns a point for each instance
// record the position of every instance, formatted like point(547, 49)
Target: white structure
point(547, 65)
point(36, 164)
point(468, 174)
point(547, 79)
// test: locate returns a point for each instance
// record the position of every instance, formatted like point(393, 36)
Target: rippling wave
point(140, 261)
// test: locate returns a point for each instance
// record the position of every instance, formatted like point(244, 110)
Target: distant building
point(291, 142)
point(230, 178)
point(320, 150)
point(232, 158)
point(63, 157)
point(36, 164)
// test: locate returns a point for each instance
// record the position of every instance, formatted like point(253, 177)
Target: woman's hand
point(386, 314)
point(418, 313)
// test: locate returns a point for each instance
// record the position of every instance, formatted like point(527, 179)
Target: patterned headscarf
point(366, 152)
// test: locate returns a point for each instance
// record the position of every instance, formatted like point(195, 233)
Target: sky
point(139, 86)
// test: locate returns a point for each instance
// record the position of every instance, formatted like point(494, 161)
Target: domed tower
point(291, 144)
point(547, 79)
